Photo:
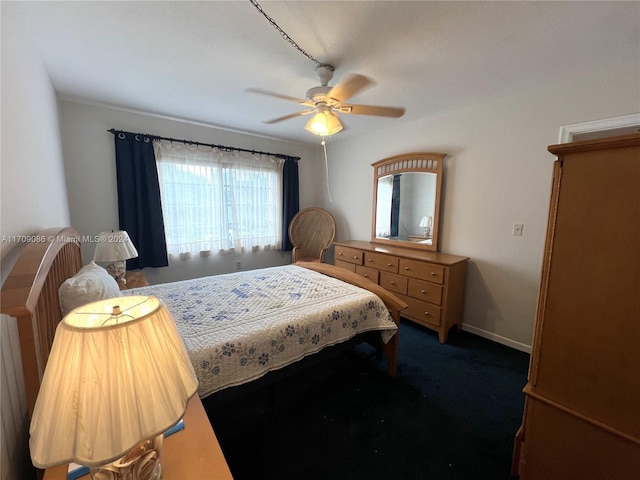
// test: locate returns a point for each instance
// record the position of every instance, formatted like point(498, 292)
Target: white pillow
point(90, 284)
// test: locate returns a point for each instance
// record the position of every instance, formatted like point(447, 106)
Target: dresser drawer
point(367, 272)
point(429, 292)
point(422, 312)
point(422, 270)
point(431, 283)
point(394, 282)
point(346, 265)
point(383, 262)
point(346, 254)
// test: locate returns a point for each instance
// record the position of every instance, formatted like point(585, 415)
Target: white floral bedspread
point(239, 326)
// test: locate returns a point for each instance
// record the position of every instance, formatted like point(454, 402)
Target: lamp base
point(142, 462)
point(117, 270)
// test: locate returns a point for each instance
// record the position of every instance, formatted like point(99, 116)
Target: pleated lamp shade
point(115, 377)
point(114, 246)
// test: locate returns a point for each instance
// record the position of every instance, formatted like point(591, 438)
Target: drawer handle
point(355, 257)
point(423, 291)
point(433, 274)
point(370, 260)
point(366, 275)
point(389, 264)
point(392, 283)
point(339, 254)
point(407, 268)
point(426, 314)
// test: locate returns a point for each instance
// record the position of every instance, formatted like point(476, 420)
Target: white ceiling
point(195, 60)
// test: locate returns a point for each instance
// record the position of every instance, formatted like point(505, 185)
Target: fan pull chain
point(282, 32)
point(326, 166)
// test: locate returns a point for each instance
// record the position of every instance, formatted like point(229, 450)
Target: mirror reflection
point(406, 200)
point(406, 207)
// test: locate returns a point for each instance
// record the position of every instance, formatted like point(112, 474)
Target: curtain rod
point(191, 142)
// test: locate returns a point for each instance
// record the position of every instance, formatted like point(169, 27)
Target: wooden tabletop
point(190, 454)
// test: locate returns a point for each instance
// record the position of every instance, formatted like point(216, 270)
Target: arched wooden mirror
point(406, 200)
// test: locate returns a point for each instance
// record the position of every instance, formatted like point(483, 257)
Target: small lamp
point(324, 123)
point(118, 376)
point(114, 248)
point(426, 223)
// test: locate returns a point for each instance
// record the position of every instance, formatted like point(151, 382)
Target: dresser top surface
point(414, 254)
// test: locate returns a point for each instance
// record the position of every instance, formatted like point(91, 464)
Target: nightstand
point(190, 454)
point(134, 280)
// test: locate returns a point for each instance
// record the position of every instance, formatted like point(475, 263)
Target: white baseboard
point(496, 338)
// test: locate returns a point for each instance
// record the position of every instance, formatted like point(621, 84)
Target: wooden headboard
point(30, 294)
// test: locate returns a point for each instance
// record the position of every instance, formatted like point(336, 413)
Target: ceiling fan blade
point(291, 115)
point(375, 110)
point(281, 96)
point(350, 86)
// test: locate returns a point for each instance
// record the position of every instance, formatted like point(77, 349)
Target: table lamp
point(118, 376)
point(114, 248)
point(426, 223)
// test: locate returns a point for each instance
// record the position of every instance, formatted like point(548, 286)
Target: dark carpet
point(451, 413)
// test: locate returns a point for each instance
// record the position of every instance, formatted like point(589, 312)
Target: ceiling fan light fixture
point(324, 123)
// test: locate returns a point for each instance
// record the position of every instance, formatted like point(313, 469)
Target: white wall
point(33, 197)
point(33, 192)
point(498, 172)
point(91, 178)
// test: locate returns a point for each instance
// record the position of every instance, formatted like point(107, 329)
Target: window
point(214, 200)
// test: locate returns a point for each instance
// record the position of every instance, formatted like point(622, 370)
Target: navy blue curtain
point(290, 199)
point(395, 206)
point(139, 205)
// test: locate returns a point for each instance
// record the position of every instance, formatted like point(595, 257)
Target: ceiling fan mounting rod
point(325, 73)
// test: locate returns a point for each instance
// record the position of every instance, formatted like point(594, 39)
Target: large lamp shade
point(118, 374)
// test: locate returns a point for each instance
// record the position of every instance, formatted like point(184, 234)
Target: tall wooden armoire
point(582, 411)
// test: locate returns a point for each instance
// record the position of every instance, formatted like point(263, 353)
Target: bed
point(30, 294)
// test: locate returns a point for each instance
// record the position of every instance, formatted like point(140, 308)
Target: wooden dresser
point(582, 410)
point(431, 283)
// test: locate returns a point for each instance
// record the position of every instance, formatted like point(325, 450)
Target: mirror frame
point(425, 162)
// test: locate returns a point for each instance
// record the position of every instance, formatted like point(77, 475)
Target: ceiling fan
point(326, 102)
